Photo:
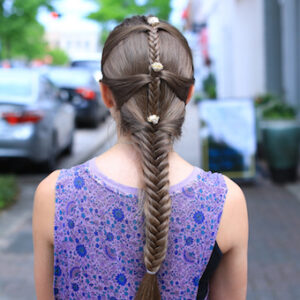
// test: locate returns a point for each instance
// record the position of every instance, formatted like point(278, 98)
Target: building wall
point(74, 43)
point(221, 46)
point(255, 45)
point(248, 45)
point(237, 44)
point(273, 47)
point(290, 14)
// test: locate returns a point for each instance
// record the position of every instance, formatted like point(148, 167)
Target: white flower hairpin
point(157, 66)
point(153, 21)
point(153, 119)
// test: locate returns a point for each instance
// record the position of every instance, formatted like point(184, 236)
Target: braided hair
point(141, 91)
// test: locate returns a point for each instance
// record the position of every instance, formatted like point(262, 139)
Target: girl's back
point(99, 237)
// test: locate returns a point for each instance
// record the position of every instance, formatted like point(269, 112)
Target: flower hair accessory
point(153, 119)
point(157, 66)
point(153, 21)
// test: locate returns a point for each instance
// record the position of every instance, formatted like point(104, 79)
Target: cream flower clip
point(153, 119)
point(152, 21)
point(157, 66)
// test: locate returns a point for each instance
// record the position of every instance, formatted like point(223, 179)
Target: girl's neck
point(122, 163)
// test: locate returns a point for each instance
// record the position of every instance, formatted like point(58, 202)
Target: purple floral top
point(99, 235)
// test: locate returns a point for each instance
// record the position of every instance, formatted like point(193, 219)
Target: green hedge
point(8, 190)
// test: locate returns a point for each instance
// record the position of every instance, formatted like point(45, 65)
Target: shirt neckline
point(104, 179)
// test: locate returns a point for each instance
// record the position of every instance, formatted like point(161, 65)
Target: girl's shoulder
point(233, 230)
point(44, 207)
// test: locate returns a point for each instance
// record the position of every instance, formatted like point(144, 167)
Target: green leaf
point(115, 10)
point(8, 190)
point(20, 33)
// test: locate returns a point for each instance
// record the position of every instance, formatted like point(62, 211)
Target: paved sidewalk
point(16, 251)
point(274, 244)
point(87, 142)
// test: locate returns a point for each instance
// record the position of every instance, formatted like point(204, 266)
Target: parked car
point(78, 87)
point(89, 61)
point(34, 122)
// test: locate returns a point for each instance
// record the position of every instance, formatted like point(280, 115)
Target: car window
point(16, 87)
point(93, 64)
point(47, 89)
point(70, 78)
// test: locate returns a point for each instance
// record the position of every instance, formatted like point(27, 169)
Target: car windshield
point(70, 78)
point(16, 87)
point(92, 64)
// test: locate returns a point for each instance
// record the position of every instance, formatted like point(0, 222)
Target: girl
point(139, 222)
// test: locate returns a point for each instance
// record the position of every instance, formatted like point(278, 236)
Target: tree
point(58, 56)
point(20, 33)
point(117, 11)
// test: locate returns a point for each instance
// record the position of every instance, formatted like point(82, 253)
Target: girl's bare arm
point(43, 228)
point(230, 279)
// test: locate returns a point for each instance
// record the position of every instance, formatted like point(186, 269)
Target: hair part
point(128, 53)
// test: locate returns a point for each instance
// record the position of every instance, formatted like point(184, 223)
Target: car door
point(62, 113)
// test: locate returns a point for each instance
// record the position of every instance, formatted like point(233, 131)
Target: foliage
point(8, 190)
point(279, 111)
point(116, 11)
point(31, 44)
point(58, 56)
point(104, 35)
point(198, 97)
point(209, 89)
point(265, 99)
point(273, 107)
point(210, 86)
point(20, 33)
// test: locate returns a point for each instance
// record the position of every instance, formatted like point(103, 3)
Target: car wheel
point(94, 123)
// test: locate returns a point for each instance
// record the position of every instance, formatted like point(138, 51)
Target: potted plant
point(280, 139)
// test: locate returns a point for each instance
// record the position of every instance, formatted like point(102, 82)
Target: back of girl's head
point(140, 90)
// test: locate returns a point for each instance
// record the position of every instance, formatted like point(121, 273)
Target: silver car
point(34, 122)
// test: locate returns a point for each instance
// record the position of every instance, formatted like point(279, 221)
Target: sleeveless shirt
point(99, 235)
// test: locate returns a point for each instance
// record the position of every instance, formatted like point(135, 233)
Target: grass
point(8, 190)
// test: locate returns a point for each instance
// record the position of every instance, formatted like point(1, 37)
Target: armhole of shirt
point(223, 185)
point(216, 253)
point(57, 202)
point(57, 187)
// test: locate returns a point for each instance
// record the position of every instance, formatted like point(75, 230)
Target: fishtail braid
point(157, 205)
point(139, 92)
point(154, 85)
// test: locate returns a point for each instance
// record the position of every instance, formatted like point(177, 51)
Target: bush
point(280, 111)
point(8, 190)
point(266, 99)
point(58, 56)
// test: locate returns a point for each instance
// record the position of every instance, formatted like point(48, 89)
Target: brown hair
point(127, 56)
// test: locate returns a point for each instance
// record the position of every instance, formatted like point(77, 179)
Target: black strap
point(212, 265)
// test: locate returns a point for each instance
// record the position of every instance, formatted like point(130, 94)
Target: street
point(274, 244)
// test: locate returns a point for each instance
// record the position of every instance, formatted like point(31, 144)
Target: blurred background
point(243, 120)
